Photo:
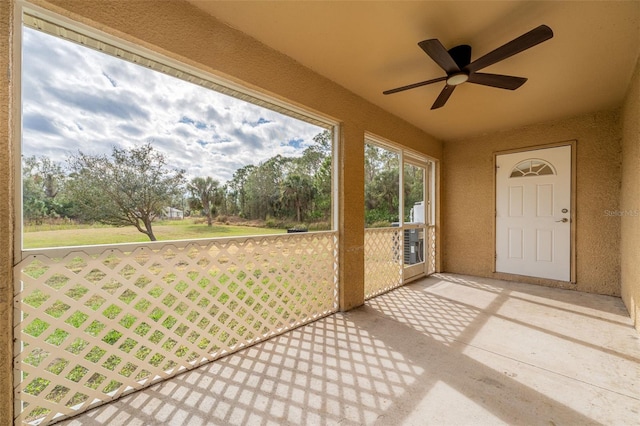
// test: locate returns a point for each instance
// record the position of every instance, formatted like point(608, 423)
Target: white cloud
point(76, 98)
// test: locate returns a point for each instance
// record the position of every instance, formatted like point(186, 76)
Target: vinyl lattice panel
point(95, 323)
point(383, 259)
point(431, 249)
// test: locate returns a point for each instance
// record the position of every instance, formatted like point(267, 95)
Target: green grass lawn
point(79, 235)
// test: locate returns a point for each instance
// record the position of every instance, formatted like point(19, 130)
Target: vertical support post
point(351, 216)
point(6, 210)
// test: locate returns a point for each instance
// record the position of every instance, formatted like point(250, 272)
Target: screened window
point(119, 148)
point(414, 193)
point(381, 188)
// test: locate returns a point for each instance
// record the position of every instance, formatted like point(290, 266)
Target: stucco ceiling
point(368, 47)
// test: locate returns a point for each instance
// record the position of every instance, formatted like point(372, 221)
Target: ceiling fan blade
point(524, 42)
point(443, 97)
point(439, 54)
point(413, 86)
point(496, 80)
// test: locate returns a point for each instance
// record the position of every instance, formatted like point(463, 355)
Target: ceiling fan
point(456, 62)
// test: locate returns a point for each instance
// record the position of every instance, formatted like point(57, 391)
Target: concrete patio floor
point(445, 350)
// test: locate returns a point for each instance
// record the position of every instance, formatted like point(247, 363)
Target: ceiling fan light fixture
point(457, 78)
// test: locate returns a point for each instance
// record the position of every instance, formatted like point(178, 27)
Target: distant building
point(171, 213)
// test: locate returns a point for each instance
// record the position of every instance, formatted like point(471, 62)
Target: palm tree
point(298, 192)
point(204, 191)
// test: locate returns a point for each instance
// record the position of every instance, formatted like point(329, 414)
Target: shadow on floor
point(444, 350)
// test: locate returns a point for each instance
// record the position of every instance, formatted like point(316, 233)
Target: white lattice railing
point(383, 258)
point(431, 249)
point(96, 322)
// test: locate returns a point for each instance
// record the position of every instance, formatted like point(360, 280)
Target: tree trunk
point(207, 208)
point(147, 225)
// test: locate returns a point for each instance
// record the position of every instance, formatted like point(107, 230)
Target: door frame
point(431, 197)
point(572, 217)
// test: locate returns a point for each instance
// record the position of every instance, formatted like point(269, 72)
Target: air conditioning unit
point(416, 215)
point(413, 246)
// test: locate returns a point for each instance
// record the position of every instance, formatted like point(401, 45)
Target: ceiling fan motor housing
point(461, 55)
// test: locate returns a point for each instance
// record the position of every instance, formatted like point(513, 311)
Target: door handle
point(563, 220)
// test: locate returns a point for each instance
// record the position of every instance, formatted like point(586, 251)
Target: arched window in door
point(532, 167)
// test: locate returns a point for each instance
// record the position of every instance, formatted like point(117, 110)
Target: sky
point(75, 98)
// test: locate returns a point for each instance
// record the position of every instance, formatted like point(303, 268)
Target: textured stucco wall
point(6, 222)
point(468, 198)
point(630, 200)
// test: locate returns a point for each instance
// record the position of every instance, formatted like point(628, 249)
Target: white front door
point(533, 212)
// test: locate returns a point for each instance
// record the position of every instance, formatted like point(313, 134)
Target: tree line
point(135, 186)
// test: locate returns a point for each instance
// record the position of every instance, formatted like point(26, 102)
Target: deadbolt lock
point(565, 210)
